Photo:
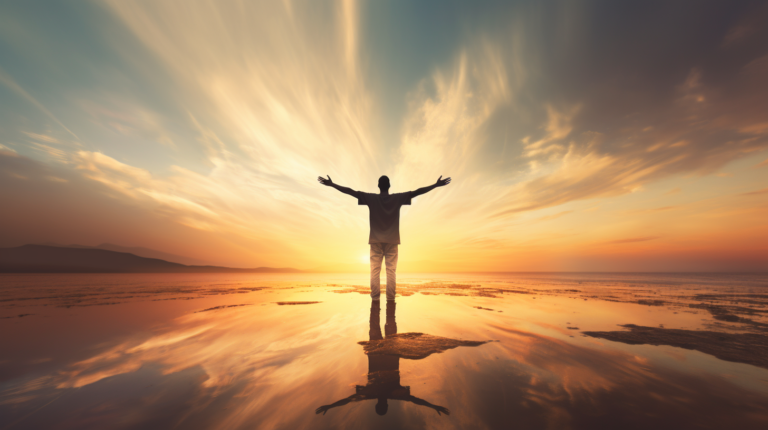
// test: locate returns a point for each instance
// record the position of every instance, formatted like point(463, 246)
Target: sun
point(364, 258)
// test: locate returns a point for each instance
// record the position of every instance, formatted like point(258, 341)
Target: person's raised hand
point(327, 182)
point(442, 409)
point(442, 182)
point(322, 409)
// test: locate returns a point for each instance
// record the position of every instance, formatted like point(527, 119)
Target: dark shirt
point(384, 215)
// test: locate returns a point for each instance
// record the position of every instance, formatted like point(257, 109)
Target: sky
point(579, 135)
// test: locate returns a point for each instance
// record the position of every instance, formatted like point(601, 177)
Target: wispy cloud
point(13, 85)
point(442, 133)
point(652, 210)
point(756, 193)
point(42, 137)
point(555, 216)
point(6, 149)
point(632, 240)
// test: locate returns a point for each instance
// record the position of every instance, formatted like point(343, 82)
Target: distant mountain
point(55, 259)
point(140, 251)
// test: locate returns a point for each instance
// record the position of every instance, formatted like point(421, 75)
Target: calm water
point(550, 351)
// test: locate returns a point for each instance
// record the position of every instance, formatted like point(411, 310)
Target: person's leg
point(377, 254)
point(390, 255)
point(375, 331)
point(390, 326)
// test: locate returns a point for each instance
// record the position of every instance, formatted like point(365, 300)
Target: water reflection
point(383, 371)
point(243, 360)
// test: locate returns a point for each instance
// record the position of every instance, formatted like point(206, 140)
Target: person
point(383, 372)
point(384, 237)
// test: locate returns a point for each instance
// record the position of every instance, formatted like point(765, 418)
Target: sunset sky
point(580, 136)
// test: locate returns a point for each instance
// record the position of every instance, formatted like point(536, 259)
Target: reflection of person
point(383, 372)
point(384, 238)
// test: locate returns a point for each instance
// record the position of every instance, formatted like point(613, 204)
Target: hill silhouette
point(53, 259)
point(137, 250)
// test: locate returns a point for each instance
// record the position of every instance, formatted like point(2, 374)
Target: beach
point(492, 350)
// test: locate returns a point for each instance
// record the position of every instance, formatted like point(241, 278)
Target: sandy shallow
point(454, 351)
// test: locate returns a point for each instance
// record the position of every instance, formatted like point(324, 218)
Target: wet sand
point(414, 346)
point(750, 348)
point(534, 351)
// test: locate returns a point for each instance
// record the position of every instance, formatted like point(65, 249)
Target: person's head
point(384, 183)
point(382, 406)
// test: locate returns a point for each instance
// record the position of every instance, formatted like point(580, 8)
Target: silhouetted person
point(383, 372)
point(384, 238)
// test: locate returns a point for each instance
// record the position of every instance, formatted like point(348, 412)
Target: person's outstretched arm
point(423, 402)
point(440, 183)
point(353, 398)
point(329, 183)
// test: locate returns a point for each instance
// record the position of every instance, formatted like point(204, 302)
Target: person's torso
point(385, 217)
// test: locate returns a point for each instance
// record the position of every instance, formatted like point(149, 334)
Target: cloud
point(557, 128)
point(616, 122)
point(6, 149)
point(55, 153)
point(632, 240)
point(13, 85)
point(604, 162)
point(42, 137)
point(129, 118)
point(116, 175)
point(756, 193)
point(747, 27)
point(652, 210)
point(443, 130)
point(555, 216)
point(283, 92)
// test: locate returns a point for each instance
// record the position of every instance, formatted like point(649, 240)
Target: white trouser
point(381, 251)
